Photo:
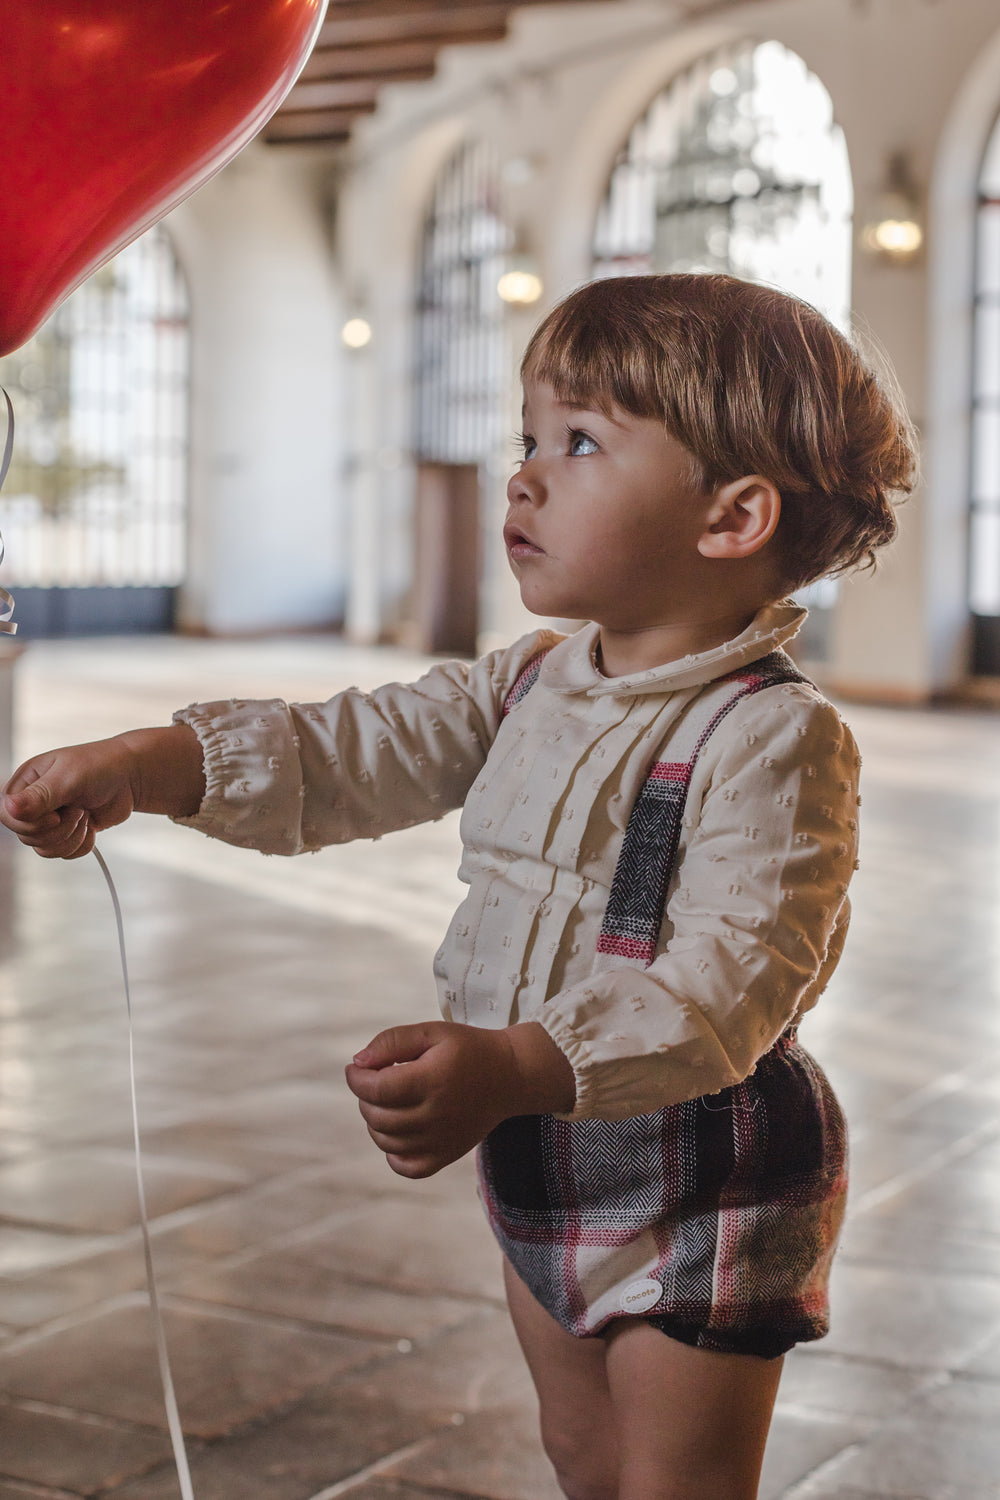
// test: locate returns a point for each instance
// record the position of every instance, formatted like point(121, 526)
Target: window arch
point(737, 166)
point(97, 491)
point(984, 518)
point(461, 372)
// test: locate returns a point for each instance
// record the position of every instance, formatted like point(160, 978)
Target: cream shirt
point(757, 910)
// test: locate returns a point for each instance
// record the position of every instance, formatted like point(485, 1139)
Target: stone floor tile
point(496, 1454)
point(474, 1368)
point(95, 1191)
point(947, 1443)
point(60, 1448)
point(910, 1318)
point(887, 1152)
point(815, 1380)
point(387, 1489)
point(799, 1442)
point(227, 1370)
point(288, 1283)
point(34, 1492)
point(23, 1250)
point(915, 1245)
point(293, 1455)
point(823, 1488)
point(451, 1252)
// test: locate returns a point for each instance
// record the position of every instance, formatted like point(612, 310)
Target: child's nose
point(525, 484)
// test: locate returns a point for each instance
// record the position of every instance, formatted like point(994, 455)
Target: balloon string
point(170, 1400)
point(6, 600)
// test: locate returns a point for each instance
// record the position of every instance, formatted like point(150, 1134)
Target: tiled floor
point(335, 1330)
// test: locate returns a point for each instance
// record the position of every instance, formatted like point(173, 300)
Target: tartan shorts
point(714, 1220)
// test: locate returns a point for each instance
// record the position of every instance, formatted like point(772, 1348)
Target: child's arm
point(291, 777)
point(58, 802)
point(431, 1092)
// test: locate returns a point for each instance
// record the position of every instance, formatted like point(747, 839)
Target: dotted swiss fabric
point(757, 909)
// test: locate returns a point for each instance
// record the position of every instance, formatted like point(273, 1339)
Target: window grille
point(737, 166)
point(461, 372)
point(984, 519)
point(96, 494)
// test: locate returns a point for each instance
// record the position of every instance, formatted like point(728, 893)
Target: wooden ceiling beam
point(344, 93)
point(364, 44)
point(353, 62)
point(321, 125)
point(365, 24)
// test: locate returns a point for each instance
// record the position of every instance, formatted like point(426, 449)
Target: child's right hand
point(58, 802)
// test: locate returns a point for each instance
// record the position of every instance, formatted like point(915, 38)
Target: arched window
point(737, 166)
point(984, 520)
point(461, 365)
point(96, 496)
point(461, 391)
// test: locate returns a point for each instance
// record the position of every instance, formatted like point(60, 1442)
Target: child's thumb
point(29, 802)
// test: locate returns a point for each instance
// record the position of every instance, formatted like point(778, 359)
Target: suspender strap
point(634, 913)
point(524, 682)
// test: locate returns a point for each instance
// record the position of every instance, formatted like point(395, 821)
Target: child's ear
point(741, 517)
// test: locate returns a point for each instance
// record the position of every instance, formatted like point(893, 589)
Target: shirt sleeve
point(286, 778)
point(756, 917)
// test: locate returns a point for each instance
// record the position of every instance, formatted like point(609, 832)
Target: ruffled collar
point(571, 667)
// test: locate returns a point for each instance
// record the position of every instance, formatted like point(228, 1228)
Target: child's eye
point(526, 443)
point(581, 444)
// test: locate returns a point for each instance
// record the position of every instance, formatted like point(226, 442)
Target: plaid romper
point(716, 1219)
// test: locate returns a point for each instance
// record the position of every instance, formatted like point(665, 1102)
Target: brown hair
point(751, 381)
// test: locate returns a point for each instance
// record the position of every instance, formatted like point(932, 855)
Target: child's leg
point(577, 1415)
point(640, 1416)
point(692, 1424)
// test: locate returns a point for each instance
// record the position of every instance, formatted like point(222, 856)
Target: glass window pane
point(986, 455)
point(987, 358)
point(984, 562)
point(461, 350)
point(988, 250)
point(97, 491)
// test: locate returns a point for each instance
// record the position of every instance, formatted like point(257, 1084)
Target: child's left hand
point(431, 1092)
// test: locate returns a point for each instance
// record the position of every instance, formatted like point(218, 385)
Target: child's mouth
point(518, 545)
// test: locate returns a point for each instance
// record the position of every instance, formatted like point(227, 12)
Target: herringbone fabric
point(714, 1219)
point(731, 1204)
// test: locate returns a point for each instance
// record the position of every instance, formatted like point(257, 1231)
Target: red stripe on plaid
point(671, 770)
point(626, 947)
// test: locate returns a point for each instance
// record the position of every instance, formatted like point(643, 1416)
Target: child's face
point(603, 520)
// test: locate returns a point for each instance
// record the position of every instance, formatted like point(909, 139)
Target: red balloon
point(112, 112)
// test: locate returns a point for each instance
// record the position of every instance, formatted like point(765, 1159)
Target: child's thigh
point(577, 1415)
point(692, 1424)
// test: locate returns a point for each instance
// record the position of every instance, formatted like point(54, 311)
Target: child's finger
point(414, 1166)
point(22, 829)
point(55, 830)
point(67, 843)
point(402, 1124)
point(398, 1044)
point(395, 1088)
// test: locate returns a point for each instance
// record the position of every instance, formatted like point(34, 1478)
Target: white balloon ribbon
point(170, 1400)
point(7, 627)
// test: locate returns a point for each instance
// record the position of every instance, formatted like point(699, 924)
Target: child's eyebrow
point(579, 406)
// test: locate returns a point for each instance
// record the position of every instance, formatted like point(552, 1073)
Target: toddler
point(659, 828)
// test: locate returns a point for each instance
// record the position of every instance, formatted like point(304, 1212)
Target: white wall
point(268, 504)
point(564, 90)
